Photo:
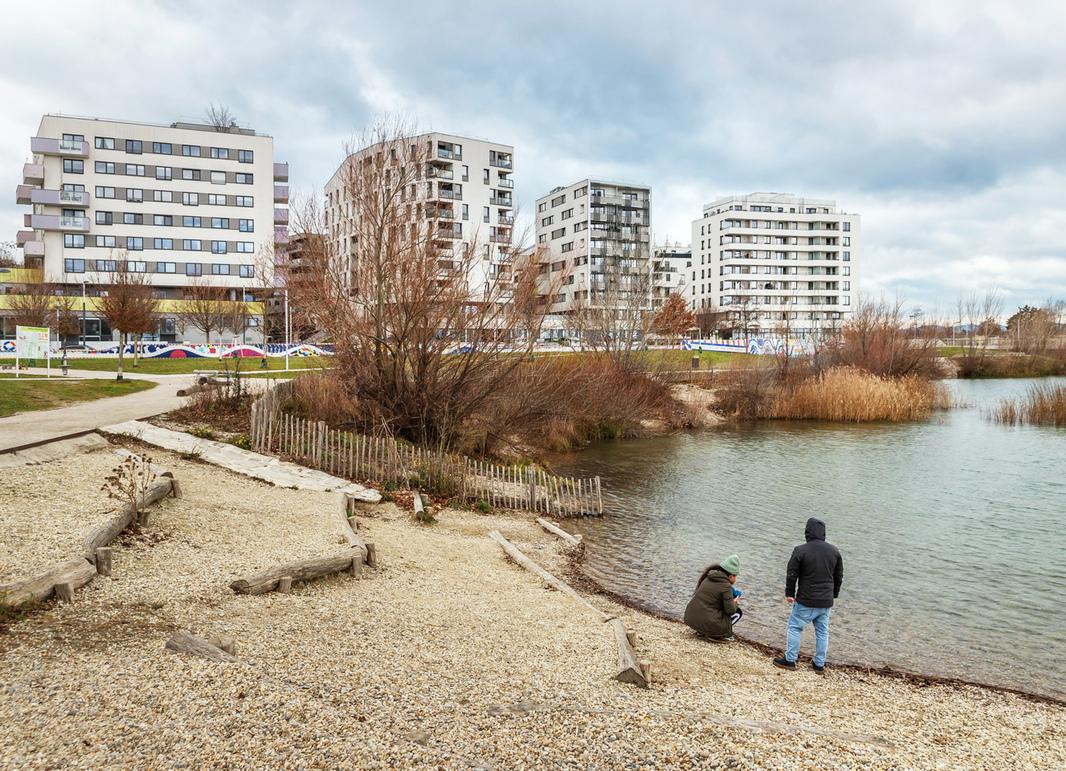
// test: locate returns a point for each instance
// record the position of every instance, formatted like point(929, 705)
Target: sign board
point(31, 343)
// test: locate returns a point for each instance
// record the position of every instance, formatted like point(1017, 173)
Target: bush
point(243, 441)
point(483, 507)
point(203, 433)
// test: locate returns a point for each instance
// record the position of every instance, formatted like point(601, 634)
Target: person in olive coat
point(713, 609)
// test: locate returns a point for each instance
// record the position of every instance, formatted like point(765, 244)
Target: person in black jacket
point(713, 609)
point(819, 569)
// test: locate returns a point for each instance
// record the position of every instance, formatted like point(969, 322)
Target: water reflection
point(951, 531)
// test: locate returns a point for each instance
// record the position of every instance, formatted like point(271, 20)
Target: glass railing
point(497, 201)
point(505, 220)
point(72, 222)
point(508, 183)
point(442, 173)
point(72, 196)
point(446, 154)
point(445, 194)
point(70, 145)
point(503, 163)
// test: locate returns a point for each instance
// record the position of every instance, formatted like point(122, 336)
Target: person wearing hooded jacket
point(713, 609)
point(818, 568)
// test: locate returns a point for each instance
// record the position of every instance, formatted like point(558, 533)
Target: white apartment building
point(183, 203)
point(776, 262)
point(464, 194)
point(593, 246)
point(671, 264)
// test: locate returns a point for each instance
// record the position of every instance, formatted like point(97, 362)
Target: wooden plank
point(574, 540)
point(628, 667)
point(184, 642)
point(299, 570)
point(77, 572)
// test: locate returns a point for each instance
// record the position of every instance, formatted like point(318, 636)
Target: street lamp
point(83, 315)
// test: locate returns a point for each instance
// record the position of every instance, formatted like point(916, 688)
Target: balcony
point(502, 238)
point(33, 173)
point(447, 234)
point(439, 173)
point(440, 214)
point(281, 172)
point(281, 236)
point(449, 155)
point(46, 146)
point(75, 199)
point(57, 222)
point(499, 201)
point(507, 183)
point(281, 194)
point(505, 219)
point(33, 249)
point(24, 237)
point(448, 195)
point(281, 216)
point(503, 163)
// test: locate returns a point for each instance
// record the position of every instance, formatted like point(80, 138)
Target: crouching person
point(713, 609)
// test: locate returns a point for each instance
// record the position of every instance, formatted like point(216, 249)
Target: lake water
point(953, 533)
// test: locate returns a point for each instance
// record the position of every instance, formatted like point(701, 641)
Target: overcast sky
point(941, 122)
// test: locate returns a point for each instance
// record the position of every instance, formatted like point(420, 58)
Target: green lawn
point(26, 395)
point(248, 365)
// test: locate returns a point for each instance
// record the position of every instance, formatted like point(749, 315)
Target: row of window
point(136, 147)
point(754, 255)
point(136, 244)
point(74, 166)
point(769, 225)
point(136, 195)
point(134, 266)
point(167, 220)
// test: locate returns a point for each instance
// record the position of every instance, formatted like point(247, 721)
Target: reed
point(1042, 405)
point(847, 395)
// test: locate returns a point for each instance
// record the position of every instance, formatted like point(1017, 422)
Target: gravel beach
point(446, 656)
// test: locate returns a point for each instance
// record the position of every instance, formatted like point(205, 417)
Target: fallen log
point(184, 642)
point(629, 670)
point(344, 504)
point(76, 572)
point(104, 534)
point(575, 540)
point(300, 570)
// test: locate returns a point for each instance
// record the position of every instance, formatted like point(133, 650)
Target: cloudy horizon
point(941, 123)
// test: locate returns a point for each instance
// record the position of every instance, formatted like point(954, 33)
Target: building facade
point(671, 265)
point(776, 263)
point(461, 189)
point(185, 204)
point(593, 246)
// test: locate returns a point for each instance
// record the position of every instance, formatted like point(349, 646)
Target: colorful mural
point(760, 346)
point(182, 351)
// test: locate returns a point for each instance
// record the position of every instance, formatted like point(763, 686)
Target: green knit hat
point(731, 565)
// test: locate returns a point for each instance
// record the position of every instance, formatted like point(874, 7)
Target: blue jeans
point(801, 616)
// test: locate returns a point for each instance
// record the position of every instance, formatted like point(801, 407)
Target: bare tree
point(220, 116)
point(979, 316)
point(711, 319)
point(876, 339)
point(674, 318)
point(128, 303)
point(614, 316)
point(204, 307)
point(7, 254)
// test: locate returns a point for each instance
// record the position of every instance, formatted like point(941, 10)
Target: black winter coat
point(710, 610)
point(817, 566)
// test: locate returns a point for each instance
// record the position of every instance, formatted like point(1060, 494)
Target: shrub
point(203, 433)
point(243, 441)
point(483, 506)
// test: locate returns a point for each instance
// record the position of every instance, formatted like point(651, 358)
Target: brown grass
point(1042, 405)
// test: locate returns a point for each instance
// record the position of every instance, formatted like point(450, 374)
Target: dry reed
point(845, 394)
point(1042, 405)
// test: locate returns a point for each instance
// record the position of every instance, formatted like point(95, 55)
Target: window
point(567, 214)
point(569, 247)
point(485, 178)
point(105, 143)
point(846, 300)
point(220, 152)
point(847, 286)
point(194, 269)
point(190, 199)
point(134, 243)
point(220, 269)
point(162, 148)
point(580, 192)
point(134, 195)
point(163, 196)
point(74, 240)
point(164, 243)
point(133, 146)
point(104, 218)
point(105, 192)
point(846, 226)
point(220, 222)
point(542, 238)
point(102, 167)
point(193, 174)
point(105, 265)
point(129, 218)
point(190, 150)
point(191, 245)
point(847, 241)
point(845, 256)
point(466, 214)
point(242, 178)
point(542, 207)
point(485, 214)
point(248, 226)
point(165, 220)
point(134, 170)
point(107, 242)
point(164, 172)
point(218, 247)
point(190, 222)
point(559, 201)
point(74, 266)
point(545, 221)
point(216, 200)
point(247, 271)
point(166, 267)
point(133, 266)
point(558, 233)
point(218, 177)
point(245, 156)
point(245, 247)
point(466, 173)
point(245, 200)
point(846, 270)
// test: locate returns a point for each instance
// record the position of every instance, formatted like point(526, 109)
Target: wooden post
point(372, 555)
point(285, 584)
point(357, 564)
point(353, 523)
point(645, 669)
point(103, 560)
point(65, 591)
point(599, 498)
point(632, 637)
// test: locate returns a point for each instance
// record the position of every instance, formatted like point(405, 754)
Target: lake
point(952, 533)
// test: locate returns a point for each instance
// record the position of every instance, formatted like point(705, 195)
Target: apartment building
point(777, 263)
point(593, 245)
point(184, 203)
point(671, 264)
point(461, 190)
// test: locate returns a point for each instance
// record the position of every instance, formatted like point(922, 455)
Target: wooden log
point(77, 572)
point(285, 584)
point(372, 555)
point(628, 666)
point(299, 570)
point(184, 642)
point(573, 540)
point(104, 534)
point(103, 561)
point(65, 591)
point(645, 669)
point(357, 567)
point(225, 642)
point(353, 523)
point(175, 488)
point(632, 637)
point(420, 511)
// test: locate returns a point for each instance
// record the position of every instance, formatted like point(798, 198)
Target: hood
point(815, 530)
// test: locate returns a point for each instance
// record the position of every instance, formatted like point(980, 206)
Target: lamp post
point(83, 315)
point(287, 333)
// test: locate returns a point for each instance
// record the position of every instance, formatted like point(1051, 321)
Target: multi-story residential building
point(184, 203)
point(593, 245)
point(671, 264)
point(777, 263)
point(461, 188)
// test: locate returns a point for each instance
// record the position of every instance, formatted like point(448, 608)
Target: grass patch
point(28, 395)
point(249, 364)
point(1042, 405)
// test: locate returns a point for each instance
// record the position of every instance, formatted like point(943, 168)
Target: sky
point(941, 122)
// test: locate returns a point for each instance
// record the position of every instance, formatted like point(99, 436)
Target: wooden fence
point(385, 460)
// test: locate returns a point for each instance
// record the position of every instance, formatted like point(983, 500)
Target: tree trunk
point(76, 572)
point(300, 570)
point(121, 350)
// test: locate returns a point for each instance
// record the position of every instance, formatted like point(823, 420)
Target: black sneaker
point(818, 669)
point(784, 663)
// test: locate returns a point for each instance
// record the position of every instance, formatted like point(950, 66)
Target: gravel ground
point(404, 668)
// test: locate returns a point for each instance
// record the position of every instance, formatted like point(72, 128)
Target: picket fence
point(384, 460)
